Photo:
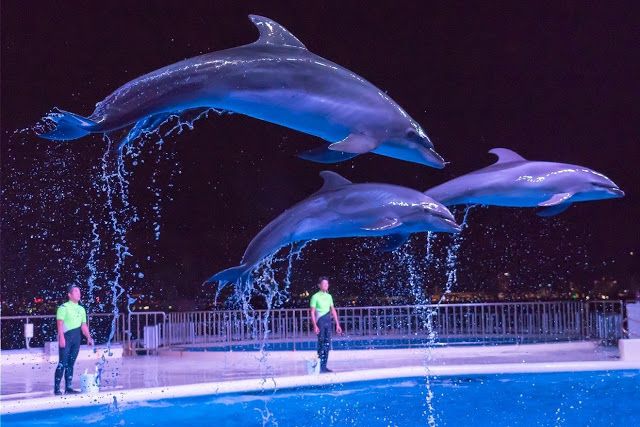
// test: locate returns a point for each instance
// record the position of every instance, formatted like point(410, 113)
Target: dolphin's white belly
point(314, 114)
point(514, 197)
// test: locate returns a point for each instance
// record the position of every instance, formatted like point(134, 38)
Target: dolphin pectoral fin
point(323, 154)
point(383, 224)
point(394, 242)
point(553, 210)
point(355, 143)
point(556, 199)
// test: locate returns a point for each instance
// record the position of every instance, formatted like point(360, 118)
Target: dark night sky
point(554, 82)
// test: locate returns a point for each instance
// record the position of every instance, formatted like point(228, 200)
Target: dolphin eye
point(411, 134)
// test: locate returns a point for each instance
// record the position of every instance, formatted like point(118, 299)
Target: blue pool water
point(367, 344)
point(558, 399)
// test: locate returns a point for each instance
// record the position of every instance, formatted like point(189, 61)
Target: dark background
point(554, 81)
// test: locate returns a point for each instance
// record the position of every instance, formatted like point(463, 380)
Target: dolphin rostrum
point(516, 182)
point(275, 79)
point(343, 209)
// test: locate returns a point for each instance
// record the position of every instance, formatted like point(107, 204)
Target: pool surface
point(606, 398)
point(369, 344)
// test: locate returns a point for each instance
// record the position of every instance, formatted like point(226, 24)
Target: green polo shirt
point(73, 315)
point(322, 302)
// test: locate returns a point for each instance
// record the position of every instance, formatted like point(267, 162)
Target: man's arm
point(334, 313)
point(61, 341)
point(85, 331)
point(314, 320)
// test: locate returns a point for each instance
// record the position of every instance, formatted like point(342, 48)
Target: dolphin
point(517, 182)
point(343, 209)
point(275, 79)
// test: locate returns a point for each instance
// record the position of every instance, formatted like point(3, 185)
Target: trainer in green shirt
point(72, 314)
point(71, 320)
point(322, 302)
point(322, 310)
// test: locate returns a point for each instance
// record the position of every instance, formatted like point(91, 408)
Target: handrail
point(529, 319)
point(47, 330)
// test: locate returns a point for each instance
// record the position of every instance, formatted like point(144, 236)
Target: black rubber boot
point(57, 379)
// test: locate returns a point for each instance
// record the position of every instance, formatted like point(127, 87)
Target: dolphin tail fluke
point(68, 126)
point(230, 275)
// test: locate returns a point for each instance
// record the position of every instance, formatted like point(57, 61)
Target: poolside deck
point(175, 373)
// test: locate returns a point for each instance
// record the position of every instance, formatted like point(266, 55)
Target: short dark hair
point(321, 278)
point(70, 288)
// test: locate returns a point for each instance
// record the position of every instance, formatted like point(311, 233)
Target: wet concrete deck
point(173, 368)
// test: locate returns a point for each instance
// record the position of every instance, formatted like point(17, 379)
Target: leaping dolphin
point(275, 79)
point(517, 182)
point(343, 209)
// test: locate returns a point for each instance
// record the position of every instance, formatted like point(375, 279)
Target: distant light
point(631, 253)
point(507, 274)
point(146, 307)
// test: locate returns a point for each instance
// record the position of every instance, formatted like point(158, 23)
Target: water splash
point(417, 265)
point(295, 253)
point(113, 184)
point(92, 267)
point(263, 286)
point(453, 250)
point(418, 268)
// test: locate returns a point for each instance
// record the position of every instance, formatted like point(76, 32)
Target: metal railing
point(135, 333)
point(516, 321)
point(45, 329)
point(519, 321)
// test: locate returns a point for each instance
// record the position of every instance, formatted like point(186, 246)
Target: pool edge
point(124, 397)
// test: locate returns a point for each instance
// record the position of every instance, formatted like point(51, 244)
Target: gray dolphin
point(275, 79)
point(343, 209)
point(517, 182)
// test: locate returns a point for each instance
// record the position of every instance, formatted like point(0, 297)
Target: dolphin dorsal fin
point(505, 155)
point(272, 33)
point(332, 181)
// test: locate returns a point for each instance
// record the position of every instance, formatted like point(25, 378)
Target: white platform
point(633, 317)
point(629, 349)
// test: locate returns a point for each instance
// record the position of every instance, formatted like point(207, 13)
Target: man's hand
point(90, 341)
point(316, 330)
point(338, 329)
point(61, 341)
